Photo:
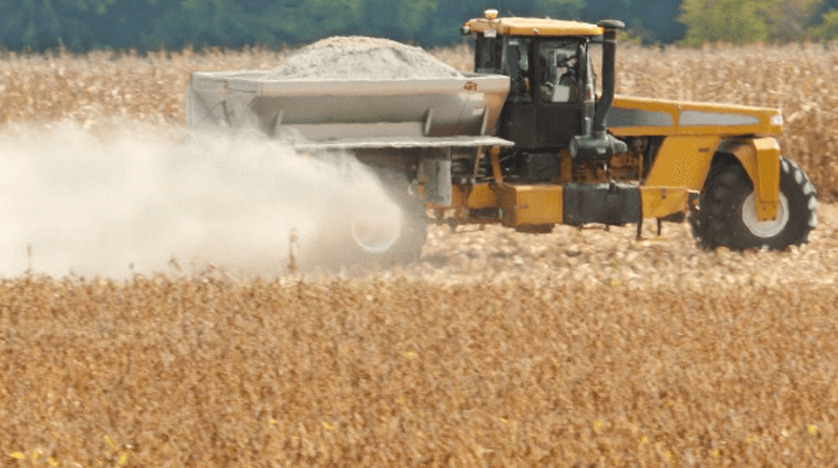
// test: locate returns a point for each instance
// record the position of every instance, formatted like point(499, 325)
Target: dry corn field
point(577, 348)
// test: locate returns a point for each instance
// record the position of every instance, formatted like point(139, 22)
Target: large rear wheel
point(727, 215)
point(396, 239)
point(382, 232)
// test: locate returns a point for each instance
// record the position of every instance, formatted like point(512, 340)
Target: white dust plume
point(130, 199)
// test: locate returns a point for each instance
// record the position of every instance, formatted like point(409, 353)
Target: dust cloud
point(130, 198)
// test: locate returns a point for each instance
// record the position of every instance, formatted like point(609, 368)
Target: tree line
point(152, 24)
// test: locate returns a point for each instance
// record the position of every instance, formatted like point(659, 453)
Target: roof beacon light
point(491, 14)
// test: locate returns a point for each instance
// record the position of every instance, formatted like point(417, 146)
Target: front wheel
point(727, 215)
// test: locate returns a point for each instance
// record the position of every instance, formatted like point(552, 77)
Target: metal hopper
point(353, 114)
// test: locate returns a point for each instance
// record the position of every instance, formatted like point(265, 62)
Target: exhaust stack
point(599, 144)
point(609, 59)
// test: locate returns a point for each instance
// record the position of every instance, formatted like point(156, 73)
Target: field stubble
point(497, 349)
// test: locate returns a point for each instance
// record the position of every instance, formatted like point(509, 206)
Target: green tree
point(41, 24)
point(397, 19)
point(234, 23)
point(202, 22)
point(824, 25)
point(128, 23)
point(789, 19)
point(653, 21)
point(735, 21)
point(828, 29)
point(562, 9)
point(295, 21)
point(745, 21)
point(443, 26)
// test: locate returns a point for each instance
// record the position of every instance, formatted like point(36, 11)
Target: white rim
point(375, 233)
point(765, 229)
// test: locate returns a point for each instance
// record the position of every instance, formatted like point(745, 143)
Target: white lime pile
point(358, 58)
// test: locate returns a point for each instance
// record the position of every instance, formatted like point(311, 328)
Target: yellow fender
point(684, 161)
point(678, 174)
point(761, 159)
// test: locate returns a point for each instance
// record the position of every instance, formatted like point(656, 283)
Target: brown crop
point(577, 348)
point(404, 372)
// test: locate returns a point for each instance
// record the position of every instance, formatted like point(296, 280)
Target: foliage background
point(151, 24)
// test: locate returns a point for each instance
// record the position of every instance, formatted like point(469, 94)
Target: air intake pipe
point(609, 71)
point(599, 145)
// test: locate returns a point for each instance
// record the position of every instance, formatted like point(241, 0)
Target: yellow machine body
point(690, 136)
point(693, 134)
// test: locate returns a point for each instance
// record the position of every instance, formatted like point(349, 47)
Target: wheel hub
point(769, 228)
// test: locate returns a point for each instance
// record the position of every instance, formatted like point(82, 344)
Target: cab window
point(486, 58)
point(558, 68)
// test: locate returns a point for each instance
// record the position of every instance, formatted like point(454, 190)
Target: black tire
point(399, 229)
point(727, 216)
